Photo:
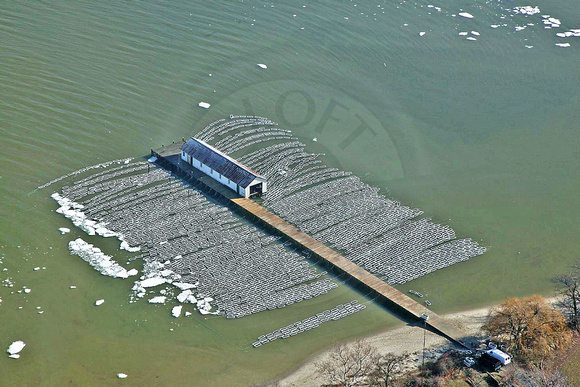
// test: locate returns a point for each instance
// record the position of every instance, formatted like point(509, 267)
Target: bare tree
point(385, 369)
point(531, 327)
point(533, 377)
point(568, 286)
point(348, 364)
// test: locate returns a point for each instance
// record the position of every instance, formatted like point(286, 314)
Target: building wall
point(245, 192)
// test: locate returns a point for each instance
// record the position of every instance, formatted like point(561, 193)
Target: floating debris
point(309, 323)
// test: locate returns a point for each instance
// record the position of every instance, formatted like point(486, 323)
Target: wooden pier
point(385, 294)
point(344, 265)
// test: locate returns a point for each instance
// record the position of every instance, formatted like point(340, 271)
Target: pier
point(382, 292)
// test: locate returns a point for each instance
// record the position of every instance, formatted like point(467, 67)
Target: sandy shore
point(399, 340)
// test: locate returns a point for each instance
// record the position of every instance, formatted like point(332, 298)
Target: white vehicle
point(503, 357)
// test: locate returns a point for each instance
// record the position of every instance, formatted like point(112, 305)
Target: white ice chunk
point(97, 259)
point(262, 66)
point(471, 38)
point(494, 26)
point(64, 230)
point(99, 302)
point(463, 33)
point(176, 311)
point(121, 375)
point(184, 285)
point(466, 15)
point(204, 105)
point(563, 44)
point(15, 356)
point(152, 282)
point(16, 347)
point(475, 33)
point(132, 272)
point(187, 314)
point(27, 290)
point(125, 246)
point(158, 300)
point(421, 33)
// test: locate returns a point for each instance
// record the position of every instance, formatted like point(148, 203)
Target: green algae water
point(480, 134)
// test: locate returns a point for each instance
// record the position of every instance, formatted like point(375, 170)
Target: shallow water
point(481, 135)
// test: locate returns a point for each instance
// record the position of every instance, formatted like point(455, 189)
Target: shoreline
point(408, 338)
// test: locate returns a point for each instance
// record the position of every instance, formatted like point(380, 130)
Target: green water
point(481, 135)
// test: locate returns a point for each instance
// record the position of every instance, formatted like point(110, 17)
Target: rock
point(99, 302)
point(16, 347)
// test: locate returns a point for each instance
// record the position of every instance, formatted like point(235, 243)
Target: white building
point(223, 168)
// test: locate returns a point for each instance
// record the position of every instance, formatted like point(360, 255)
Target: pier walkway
point(359, 274)
point(384, 293)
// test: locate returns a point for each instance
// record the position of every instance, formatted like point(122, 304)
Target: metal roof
point(220, 162)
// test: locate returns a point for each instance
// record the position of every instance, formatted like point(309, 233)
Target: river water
point(481, 134)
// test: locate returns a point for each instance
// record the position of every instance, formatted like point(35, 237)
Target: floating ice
point(152, 282)
point(73, 287)
point(37, 268)
point(26, 290)
point(16, 347)
point(121, 375)
point(421, 33)
point(475, 33)
point(186, 296)
point(204, 105)
point(15, 356)
point(176, 311)
point(97, 259)
point(64, 230)
point(563, 44)
point(494, 26)
point(125, 246)
point(187, 314)
point(464, 33)
point(152, 159)
point(158, 300)
point(466, 15)
point(262, 66)
point(132, 272)
point(520, 28)
point(471, 38)
point(99, 302)
point(184, 285)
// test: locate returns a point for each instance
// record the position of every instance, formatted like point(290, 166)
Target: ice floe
point(16, 347)
point(475, 33)
point(204, 105)
point(64, 230)
point(466, 15)
point(97, 259)
point(176, 311)
point(463, 33)
point(526, 10)
point(470, 38)
point(184, 285)
point(262, 66)
point(72, 211)
point(121, 375)
point(99, 302)
point(421, 33)
point(152, 282)
point(563, 44)
point(186, 296)
point(158, 300)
